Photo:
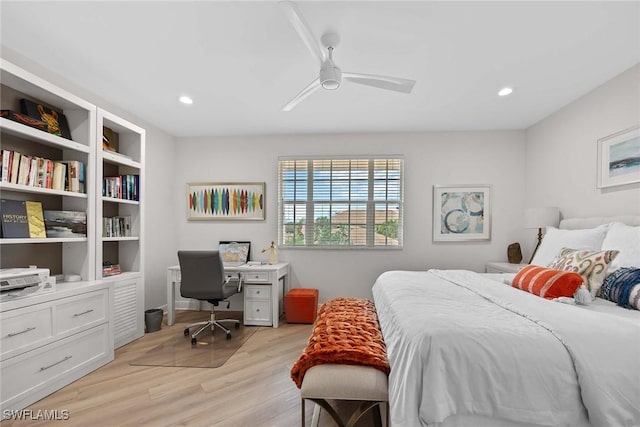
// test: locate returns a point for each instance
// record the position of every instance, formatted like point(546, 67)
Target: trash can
point(153, 320)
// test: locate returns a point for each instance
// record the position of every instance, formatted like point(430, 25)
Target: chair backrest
point(202, 275)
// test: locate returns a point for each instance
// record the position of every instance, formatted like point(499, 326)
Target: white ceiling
point(242, 61)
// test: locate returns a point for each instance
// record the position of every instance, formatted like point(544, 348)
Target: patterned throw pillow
point(592, 266)
point(546, 282)
point(623, 287)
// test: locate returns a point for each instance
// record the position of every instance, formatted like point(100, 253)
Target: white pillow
point(626, 239)
point(555, 239)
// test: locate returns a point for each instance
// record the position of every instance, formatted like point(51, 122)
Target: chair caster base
point(194, 341)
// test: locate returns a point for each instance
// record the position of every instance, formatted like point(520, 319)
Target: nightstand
point(503, 267)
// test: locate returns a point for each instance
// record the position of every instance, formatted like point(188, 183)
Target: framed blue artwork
point(461, 213)
point(619, 158)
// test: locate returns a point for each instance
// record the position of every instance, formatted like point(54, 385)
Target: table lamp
point(539, 218)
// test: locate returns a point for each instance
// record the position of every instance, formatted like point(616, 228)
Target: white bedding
point(461, 345)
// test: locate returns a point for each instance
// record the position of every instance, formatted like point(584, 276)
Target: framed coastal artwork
point(461, 213)
point(226, 201)
point(619, 158)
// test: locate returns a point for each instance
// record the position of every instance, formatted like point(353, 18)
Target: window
point(340, 203)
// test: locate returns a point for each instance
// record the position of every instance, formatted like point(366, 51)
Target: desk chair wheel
point(186, 332)
point(237, 325)
point(228, 335)
point(194, 341)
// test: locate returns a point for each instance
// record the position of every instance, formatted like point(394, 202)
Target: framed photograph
point(619, 158)
point(461, 213)
point(226, 201)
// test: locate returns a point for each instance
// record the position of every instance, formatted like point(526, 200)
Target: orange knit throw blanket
point(346, 332)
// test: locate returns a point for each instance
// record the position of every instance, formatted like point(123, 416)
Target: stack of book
point(122, 187)
point(22, 219)
point(118, 226)
point(33, 171)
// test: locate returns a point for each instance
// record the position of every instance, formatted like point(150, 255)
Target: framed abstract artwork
point(619, 158)
point(461, 213)
point(226, 201)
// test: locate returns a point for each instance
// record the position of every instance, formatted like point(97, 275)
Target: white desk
point(254, 278)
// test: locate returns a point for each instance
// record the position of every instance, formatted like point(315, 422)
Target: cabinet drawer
point(30, 372)
point(24, 328)
point(257, 311)
point(257, 292)
point(257, 276)
point(81, 312)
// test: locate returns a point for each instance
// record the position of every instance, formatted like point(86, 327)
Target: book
point(13, 215)
point(59, 175)
point(65, 223)
point(15, 166)
point(35, 218)
point(56, 121)
point(6, 158)
point(33, 172)
point(73, 175)
point(23, 173)
point(42, 173)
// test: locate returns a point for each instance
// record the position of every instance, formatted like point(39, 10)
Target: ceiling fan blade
point(303, 30)
point(304, 93)
point(382, 82)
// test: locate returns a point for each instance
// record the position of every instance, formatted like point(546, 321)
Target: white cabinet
point(128, 310)
point(503, 267)
point(64, 254)
point(257, 304)
point(120, 215)
point(52, 339)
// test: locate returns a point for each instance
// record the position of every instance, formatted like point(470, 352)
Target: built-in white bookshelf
point(126, 160)
point(62, 256)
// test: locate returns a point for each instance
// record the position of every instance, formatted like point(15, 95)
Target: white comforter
point(461, 344)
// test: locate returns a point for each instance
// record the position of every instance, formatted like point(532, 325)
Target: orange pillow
point(546, 282)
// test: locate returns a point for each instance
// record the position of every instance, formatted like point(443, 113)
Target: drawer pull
point(257, 292)
point(44, 368)
point(83, 313)
point(257, 309)
point(13, 334)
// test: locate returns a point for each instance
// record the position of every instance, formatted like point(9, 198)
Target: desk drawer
point(24, 328)
point(257, 292)
point(257, 312)
point(81, 312)
point(257, 277)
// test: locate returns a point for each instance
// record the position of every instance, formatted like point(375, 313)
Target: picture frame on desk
point(226, 201)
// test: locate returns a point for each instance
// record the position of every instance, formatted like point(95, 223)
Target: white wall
point(561, 151)
point(494, 158)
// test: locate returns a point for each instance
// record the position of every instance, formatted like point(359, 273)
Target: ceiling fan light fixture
point(330, 77)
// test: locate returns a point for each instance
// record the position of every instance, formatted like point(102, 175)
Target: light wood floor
point(252, 389)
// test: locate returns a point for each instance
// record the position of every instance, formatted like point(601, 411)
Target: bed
point(467, 349)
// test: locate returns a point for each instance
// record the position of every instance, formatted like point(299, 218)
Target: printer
point(19, 279)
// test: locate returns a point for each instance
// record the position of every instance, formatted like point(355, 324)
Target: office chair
point(203, 278)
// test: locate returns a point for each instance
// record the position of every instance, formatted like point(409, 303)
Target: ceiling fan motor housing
point(330, 75)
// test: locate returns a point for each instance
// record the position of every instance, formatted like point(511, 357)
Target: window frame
point(310, 203)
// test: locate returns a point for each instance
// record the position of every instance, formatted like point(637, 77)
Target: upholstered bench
point(345, 359)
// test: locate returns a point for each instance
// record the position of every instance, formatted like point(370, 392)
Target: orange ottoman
point(301, 305)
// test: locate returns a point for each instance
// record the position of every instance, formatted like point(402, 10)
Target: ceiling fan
point(331, 75)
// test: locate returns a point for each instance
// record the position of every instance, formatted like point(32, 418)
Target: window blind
point(340, 202)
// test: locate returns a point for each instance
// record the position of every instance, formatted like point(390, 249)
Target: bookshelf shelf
point(123, 201)
point(9, 127)
point(118, 159)
point(44, 240)
point(120, 239)
point(5, 186)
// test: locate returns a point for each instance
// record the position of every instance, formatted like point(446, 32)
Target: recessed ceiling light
point(505, 91)
point(186, 100)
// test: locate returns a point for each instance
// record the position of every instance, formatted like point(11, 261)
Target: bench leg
point(315, 420)
point(302, 406)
